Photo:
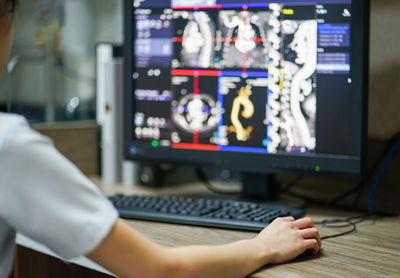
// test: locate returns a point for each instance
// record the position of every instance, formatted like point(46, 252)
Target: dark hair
point(7, 6)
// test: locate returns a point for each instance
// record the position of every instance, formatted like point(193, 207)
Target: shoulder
point(15, 129)
point(8, 121)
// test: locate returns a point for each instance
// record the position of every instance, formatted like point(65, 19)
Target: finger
point(312, 244)
point(304, 223)
point(311, 233)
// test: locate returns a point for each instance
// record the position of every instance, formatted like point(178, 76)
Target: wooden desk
point(372, 251)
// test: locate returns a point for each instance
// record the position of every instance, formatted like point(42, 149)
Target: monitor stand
point(264, 188)
point(259, 186)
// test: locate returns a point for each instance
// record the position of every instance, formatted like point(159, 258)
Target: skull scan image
point(245, 42)
point(197, 48)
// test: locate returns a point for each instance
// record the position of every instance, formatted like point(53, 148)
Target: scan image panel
point(243, 41)
point(292, 84)
point(194, 110)
point(244, 106)
point(153, 46)
point(223, 39)
point(153, 100)
point(194, 41)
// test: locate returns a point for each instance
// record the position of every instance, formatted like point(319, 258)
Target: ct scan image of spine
point(291, 106)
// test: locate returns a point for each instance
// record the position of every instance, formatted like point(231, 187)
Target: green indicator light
point(317, 169)
point(154, 143)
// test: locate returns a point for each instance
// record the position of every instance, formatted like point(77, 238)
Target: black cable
point(286, 189)
point(201, 175)
point(380, 174)
point(321, 202)
point(333, 223)
point(348, 193)
point(387, 150)
point(389, 145)
point(288, 186)
point(337, 223)
point(353, 229)
point(360, 187)
point(360, 218)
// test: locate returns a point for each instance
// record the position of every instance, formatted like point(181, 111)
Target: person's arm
point(48, 199)
point(127, 253)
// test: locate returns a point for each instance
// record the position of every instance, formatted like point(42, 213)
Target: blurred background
point(50, 76)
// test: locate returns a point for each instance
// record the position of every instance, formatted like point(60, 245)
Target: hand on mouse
point(286, 238)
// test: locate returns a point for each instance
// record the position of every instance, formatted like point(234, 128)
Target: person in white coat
point(45, 197)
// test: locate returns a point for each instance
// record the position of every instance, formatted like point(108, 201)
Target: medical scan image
point(244, 42)
point(194, 111)
point(243, 104)
point(196, 45)
point(292, 99)
point(241, 77)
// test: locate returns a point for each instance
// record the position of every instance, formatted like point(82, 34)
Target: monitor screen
point(257, 86)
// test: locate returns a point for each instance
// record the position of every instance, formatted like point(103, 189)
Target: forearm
point(236, 259)
point(127, 253)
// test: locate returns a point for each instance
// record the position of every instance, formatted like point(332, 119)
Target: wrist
point(263, 253)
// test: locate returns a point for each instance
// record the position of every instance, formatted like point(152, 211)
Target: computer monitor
point(262, 87)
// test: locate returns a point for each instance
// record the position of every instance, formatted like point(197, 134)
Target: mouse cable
point(337, 223)
point(201, 175)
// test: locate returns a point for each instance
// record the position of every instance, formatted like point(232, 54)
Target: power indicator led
point(154, 143)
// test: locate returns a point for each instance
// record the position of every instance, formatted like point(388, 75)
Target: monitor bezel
point(252, 162)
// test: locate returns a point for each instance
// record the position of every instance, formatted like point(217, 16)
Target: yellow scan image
point(242, 100)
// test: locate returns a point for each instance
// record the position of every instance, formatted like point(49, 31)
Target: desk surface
point(372, 251)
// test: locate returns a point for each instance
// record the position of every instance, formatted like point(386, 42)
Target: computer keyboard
point(200, 212)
